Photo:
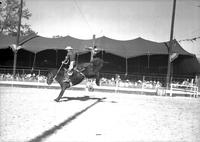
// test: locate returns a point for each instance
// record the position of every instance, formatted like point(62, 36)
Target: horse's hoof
point(56, 100)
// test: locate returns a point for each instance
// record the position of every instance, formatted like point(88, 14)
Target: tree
point(9, 17)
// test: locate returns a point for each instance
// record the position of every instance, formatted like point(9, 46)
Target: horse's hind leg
point(97, 79)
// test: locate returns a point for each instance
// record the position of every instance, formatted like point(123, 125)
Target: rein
point(59, 70)
point(80, 72)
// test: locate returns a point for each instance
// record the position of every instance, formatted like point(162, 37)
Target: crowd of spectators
point(23, 77)
point(104, 81)
point(115, 81)
point(130, 84)
point(187, 82)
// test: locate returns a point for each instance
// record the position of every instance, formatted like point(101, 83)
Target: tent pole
point(148, 60)
point(77, 58)
point(93, 45)
point(93, 41)
point(148, 63)
point(126, 66)
point(17, 41)
point(102, 54)
point(170, 45)
point(56, 58)
point(34, 59)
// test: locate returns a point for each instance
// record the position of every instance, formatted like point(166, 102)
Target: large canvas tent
point(127, 49)
point(137, 47)
point(39, 43)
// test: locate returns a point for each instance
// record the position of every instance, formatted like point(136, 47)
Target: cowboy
point(68, 64)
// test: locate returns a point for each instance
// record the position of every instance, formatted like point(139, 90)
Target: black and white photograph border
point(157, 102)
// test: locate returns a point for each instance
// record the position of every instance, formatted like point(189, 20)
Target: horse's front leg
point(60, 95)
point(63, 87)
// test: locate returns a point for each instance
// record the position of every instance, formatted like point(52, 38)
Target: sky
point(117, 19)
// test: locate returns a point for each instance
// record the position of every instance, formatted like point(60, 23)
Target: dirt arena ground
point(31, 115)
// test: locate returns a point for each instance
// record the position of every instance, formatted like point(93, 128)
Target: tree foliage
point(9, 17)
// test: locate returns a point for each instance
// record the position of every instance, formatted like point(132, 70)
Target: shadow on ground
point(84, 98)
point(55, 128)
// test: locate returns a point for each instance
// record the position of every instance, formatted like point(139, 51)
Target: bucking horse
point(80, 72)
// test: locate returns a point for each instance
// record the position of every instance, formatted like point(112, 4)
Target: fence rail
point(190, 89)
point(111, 85)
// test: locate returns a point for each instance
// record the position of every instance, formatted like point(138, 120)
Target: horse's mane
point(54, 71)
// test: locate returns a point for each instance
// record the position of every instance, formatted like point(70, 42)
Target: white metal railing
point(190, 89)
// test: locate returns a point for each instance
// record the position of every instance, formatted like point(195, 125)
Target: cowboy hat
point(68, 48)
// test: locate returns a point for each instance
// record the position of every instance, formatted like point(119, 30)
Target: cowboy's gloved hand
point(64, 61)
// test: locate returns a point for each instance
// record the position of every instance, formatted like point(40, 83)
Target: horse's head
point(50, 77)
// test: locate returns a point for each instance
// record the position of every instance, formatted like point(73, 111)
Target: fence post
point(171, 89)
point(195, 95)
point(143, 79)
point(116, 83)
